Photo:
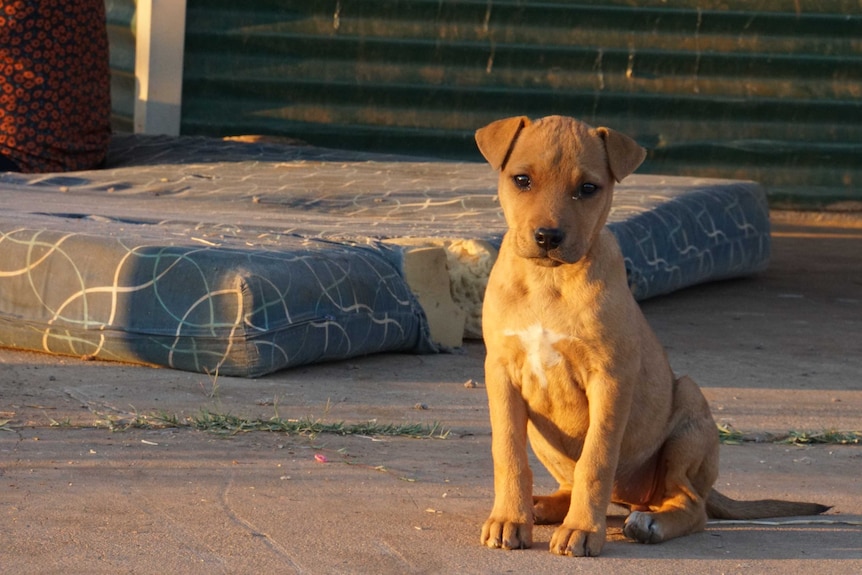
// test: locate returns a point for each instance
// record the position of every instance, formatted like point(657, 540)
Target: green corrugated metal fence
point(760, 89)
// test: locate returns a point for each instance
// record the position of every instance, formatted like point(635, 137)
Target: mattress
point(245, 258)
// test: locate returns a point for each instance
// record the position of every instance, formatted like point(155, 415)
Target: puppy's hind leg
point(690, 461)
point(552, 509)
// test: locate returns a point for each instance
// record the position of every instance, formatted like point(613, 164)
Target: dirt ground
point(87, 487)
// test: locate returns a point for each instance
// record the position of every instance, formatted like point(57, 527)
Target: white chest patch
point(538, 344)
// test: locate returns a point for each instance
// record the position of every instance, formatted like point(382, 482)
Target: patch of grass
point(730, 436)
point(227, 424)
point(231, 424)
point(136, 420)
point(830, 437)
point(164, 419)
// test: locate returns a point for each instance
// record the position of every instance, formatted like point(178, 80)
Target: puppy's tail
point(720, 506)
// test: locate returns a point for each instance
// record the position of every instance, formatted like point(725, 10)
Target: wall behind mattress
point(769, 90)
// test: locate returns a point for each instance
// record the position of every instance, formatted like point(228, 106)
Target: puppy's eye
point(586, 190)
point(522, 181)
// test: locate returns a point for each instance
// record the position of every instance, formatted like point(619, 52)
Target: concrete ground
point(87, 487)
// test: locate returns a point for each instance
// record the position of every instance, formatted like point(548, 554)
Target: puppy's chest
point(544, 331)
point(541, 358)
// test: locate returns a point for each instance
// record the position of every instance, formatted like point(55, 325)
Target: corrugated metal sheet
point(120, 15)
point(769, 90)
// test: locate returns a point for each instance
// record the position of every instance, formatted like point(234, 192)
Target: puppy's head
point(556, 184)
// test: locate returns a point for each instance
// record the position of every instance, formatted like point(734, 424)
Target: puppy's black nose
point(549, 238)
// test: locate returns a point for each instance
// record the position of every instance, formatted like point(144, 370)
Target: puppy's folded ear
point(497, 139)
point(624, 154)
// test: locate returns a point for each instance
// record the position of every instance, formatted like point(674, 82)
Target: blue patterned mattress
point(246, 258)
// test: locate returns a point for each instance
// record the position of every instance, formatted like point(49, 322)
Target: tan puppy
point(573, 365)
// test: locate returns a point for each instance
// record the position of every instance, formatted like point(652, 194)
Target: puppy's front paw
point(502, 534)
point(577, 542)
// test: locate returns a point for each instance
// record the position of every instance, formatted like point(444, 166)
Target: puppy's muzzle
point(548, 238)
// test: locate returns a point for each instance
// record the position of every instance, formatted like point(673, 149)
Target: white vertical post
point(159, 43)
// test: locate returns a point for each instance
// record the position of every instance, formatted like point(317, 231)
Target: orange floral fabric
point(55, 91)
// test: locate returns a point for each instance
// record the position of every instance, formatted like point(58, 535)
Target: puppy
point(573, 365)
